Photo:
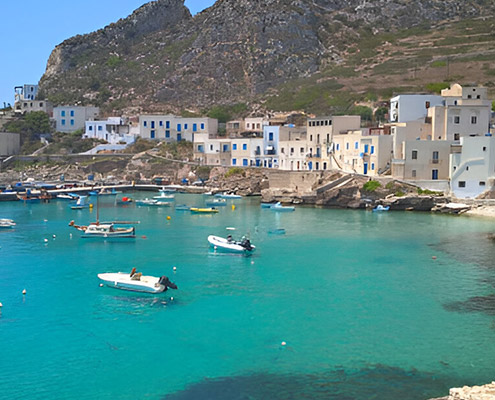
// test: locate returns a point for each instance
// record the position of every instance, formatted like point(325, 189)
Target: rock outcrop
point(232, 52)
point(485, 392)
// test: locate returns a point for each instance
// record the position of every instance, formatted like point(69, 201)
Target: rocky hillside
point(242, 51)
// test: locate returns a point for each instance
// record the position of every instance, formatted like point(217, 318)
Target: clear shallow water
point(364, 310)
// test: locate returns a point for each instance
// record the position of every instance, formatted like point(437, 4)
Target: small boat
point(380, 207)
point(279, 207)
point(104, 192)
point(226, 195)
point(136, 282)
point(228, 244)
point(152, 202)
point(197, 210)
point(267, 205)
point(82, 202)
point(165, 197)
point(104, 230)
point(67, 196)
point(168, 189)
point(6, 223)
point(216, 202)
point(182, 207)
point(124, 201)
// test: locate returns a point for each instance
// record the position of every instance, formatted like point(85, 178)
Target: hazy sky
point(30, 29)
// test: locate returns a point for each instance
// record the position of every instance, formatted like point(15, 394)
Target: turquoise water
point(363, 308)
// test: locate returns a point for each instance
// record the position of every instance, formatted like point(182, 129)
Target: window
point(152, 124)
point(152, 134)
point(161, 123)
point(62, 113)
point(435, 157)
point(245, 162)
point(482, 183)
point(63, 122)
point(244, 146)
point(211, 147)
point(301, 150)
point(225, 148)
point(200, 148)
point(372, 150)
point(179, 127)
point(41, 104)
point(337, 147)
point(282, 150)
point(90, 128)
point(195, 127)
point(347, 146)
point(474, 119)
point(202, 126)
point(457, 136)
point(414, 155)
point(484, 148)
point(145, 124)
point(457, 119)
point(100, 128)
point(356, 145)
point(366, 148)
point(310, 138)
point(372, 166)
point(413, 173)
point(167, 134)
point(462, 184)
point(234, 146)
point(167, 124)
point(270, 136)
point(72, 122)
point(234, 161)
point(71, 113)
point(185, 127)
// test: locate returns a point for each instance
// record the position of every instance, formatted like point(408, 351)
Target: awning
point(269, 148)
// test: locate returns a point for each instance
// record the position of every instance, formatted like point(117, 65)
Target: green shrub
point(235, 171)
point(371, 186)
point(389, 186)
point(438, 64)
point(429, 192)
point(436, 87)
point(400, 193)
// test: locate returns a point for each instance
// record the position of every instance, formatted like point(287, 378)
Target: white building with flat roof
point(472, 166)
point(411, 107)
point(114, 131)
point(72, 118)
point(170, 128)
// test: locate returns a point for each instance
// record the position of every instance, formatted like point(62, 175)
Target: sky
point(30, 30)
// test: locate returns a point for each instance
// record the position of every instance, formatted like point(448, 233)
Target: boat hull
point(123, 281)
point(222, 244)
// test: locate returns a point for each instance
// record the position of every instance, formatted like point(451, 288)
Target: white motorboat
point(228, 195)
point(136, 282)
point(381, 207)
point(6, 223)
point(165, 197)
point(228, 244)
point(152, 202)
point(279, 207)
point(106, 230)
point(82, 202)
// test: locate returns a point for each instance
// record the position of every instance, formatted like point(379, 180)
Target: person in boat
point(229, 239)
point(246, 243)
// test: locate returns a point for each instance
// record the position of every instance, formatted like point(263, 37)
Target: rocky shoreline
point(332, 189)
point(485, 392)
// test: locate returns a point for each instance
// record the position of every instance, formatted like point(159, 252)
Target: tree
point(366, 113)
point(380, 113)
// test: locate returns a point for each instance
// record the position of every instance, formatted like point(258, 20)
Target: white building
point(114, 131)
point(247, 152)
point(472, 166)
point(72, 118)
point(170, 128)
point(411, 107)
point(212, 151)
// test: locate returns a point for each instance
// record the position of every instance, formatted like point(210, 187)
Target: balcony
point(435, 161)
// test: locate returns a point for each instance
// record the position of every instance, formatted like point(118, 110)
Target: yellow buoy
point(233, 207)
point(168, 218)
point(90, 206)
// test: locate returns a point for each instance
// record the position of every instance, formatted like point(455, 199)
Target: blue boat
point(279, 207)
point(267, 205)
point(82, 202)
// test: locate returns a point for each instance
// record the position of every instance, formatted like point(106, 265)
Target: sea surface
point(344, 305)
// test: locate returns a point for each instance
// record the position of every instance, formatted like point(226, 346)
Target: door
point(365, 169)
point(179, 137)
point(434, 174)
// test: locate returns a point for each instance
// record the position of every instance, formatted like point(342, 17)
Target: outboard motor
point(246, 244)
point(166, 282)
